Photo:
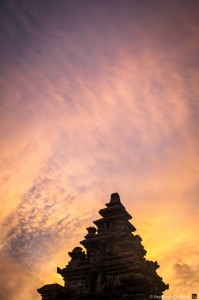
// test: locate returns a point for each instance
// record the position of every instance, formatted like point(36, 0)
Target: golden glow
point(115, 111)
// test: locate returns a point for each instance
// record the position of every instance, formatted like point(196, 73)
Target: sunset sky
point(97, 96)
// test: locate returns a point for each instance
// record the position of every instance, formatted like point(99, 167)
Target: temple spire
point(115, 198)
point(112, 267)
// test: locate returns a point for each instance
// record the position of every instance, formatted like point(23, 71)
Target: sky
point(97, 97)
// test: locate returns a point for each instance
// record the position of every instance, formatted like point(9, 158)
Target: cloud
point(187, 277)
point(37, 226)
point(15, 281)
point(98, 99)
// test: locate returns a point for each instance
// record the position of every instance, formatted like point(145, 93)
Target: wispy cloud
point(96, 99)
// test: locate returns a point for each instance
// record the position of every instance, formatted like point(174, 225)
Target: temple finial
point(115, 197)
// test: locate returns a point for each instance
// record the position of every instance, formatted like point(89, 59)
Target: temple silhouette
point(114, 265)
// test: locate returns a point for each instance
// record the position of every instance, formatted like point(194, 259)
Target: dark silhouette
point(113, 267)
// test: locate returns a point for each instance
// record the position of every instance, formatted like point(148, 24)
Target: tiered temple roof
point(114, 264)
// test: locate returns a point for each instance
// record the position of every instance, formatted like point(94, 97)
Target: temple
point(112, 267)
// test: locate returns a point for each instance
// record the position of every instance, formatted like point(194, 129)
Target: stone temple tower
point(114, 264)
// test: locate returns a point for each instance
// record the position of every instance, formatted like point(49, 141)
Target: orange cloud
point(105, 104)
